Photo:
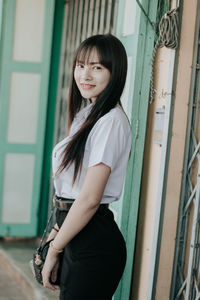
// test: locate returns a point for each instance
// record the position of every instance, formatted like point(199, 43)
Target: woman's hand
point(53, 232)
point(50, 270)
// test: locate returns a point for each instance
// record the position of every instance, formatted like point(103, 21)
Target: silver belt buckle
point(57, 203)
point(62, 205)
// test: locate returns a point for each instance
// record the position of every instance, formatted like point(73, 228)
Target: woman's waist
point(70, 197)
point(64, 204)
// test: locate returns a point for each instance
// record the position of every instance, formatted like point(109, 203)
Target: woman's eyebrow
point(95, 63)
point(90, 63)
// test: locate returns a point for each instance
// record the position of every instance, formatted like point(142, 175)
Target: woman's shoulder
point(114, 124)
point(117, 116)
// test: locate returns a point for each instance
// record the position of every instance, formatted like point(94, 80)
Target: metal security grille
point(83, 18)
point(186, 273)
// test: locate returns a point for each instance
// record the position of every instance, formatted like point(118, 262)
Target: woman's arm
point(82, 210)
point(85, 206)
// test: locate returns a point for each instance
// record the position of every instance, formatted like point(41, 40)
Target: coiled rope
point(168, 37)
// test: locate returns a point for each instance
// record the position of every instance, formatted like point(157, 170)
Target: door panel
point(24, 60)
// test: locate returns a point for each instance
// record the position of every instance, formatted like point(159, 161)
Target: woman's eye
point(80, 66)
point(97, 68)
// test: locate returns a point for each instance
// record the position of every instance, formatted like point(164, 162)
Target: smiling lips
point(87, 87)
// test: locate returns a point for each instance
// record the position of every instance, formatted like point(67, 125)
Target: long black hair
point(112, 55)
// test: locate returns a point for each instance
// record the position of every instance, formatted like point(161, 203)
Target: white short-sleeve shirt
point(108, 142)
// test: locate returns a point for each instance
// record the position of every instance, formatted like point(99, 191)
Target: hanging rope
point(168, 37)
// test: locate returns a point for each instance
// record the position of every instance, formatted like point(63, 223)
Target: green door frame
point(51, 112)
point(140, 46)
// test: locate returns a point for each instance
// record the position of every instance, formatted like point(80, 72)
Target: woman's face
point(91, 77)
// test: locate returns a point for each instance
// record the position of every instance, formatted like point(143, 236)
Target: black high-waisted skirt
point(93, 262)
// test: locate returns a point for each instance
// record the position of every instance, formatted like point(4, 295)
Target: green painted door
point(25, 51)
point(137, 35)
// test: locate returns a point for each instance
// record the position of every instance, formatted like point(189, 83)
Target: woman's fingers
point(54, 273)
point(45, 280)
point(47, 284)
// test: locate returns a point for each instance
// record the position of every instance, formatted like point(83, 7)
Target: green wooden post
point(139, 45)
point(55, 60)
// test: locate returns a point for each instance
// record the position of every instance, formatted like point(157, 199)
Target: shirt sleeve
point(107, 142)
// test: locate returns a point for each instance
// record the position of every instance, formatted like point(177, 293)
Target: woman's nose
point(86, 74)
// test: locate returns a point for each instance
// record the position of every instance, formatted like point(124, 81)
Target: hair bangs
point(84, 52)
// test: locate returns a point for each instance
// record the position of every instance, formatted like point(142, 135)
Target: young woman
point(89, 168)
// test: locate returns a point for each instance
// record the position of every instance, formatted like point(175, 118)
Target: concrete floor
point(14, 263)
point(9, 289)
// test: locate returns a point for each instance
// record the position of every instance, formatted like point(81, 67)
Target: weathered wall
point(152, 162)
point(177, 149)
point(151, 172)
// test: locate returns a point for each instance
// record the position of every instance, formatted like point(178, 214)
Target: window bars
point(82, 19)
point(186, 272)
